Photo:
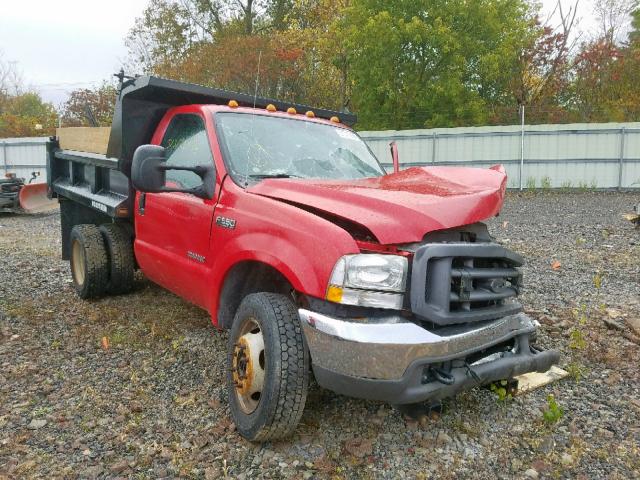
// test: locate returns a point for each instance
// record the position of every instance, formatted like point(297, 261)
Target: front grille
point(464, 282)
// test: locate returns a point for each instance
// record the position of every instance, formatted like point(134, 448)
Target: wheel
point(120, 256)
point(89, 265)
point(268, 375)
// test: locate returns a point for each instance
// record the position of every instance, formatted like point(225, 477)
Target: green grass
point(576, 371)
point(553, 412)
point(531, 183)
point(545, 183)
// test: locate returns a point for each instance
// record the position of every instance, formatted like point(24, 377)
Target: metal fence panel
point(597, 155)
point(631, 169)
point(600, 155)
point(23, 156)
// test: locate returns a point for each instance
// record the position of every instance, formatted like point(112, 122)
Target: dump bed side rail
point(89, 179)
point(90, 189)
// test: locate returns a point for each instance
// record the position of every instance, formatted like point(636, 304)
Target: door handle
point(142, 200)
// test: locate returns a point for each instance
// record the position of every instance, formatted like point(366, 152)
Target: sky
point(67, 44)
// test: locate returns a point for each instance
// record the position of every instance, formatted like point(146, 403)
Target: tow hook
point(441, 376)
point(471, 373)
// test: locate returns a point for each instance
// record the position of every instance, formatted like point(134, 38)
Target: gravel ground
point(152, 404)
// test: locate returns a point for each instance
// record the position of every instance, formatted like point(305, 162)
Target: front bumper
point(391, 359)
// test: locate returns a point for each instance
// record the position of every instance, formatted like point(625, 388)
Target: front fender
point(296, 267)
point(302, 246)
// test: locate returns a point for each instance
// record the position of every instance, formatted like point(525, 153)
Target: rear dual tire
point(101, 260)
point(89, 262)
point(121, 261)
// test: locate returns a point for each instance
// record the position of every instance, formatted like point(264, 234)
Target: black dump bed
point(94, 188)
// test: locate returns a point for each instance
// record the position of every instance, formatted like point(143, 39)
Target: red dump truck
point(279, 221)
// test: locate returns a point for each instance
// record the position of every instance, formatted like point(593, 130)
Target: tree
point(612, 16)
point(22, 112)
point(417, 63)
point(300, 57)
point(164, 32)
point(11, 81)
point(401, 64)
point(86, 107)
point(606, 85)
point(634, 34)
point(277, 11)
point(543, 70)
point(169, 29)
point(26, 115)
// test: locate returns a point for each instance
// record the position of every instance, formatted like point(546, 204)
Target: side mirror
point(394, 156)
point(149, 168)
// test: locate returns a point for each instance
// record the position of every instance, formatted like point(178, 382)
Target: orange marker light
point(122, 211)
point(310, 114)
point(335, 119)
point(291, 111)
point(334, 294)
point(271, 108)
point(233, 104)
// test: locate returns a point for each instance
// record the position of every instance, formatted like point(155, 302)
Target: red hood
point(400, 207)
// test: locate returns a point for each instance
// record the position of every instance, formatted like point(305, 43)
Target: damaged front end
point(461, 326)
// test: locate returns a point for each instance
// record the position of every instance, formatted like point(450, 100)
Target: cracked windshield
point(262, 146)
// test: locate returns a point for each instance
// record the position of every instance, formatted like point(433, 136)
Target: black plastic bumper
point(411, 388)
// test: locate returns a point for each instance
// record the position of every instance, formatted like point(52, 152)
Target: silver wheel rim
point(248, 366)
point(77, 262)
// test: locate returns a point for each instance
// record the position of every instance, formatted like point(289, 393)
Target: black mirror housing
point(148, 173)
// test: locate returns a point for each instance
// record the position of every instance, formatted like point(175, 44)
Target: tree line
point(404, 63)
point(397, 64)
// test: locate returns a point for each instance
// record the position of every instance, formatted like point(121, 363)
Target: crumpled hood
point(401, 207)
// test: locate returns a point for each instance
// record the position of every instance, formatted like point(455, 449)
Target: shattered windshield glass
point(265, 146)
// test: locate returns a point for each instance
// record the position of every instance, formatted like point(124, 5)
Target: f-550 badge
point(197, 257)
point(225, 222)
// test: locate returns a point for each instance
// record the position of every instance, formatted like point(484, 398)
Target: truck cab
point(279, 221)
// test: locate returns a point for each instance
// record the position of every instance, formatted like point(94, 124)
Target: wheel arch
point(247, 276)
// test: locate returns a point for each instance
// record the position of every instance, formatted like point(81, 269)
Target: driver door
point(173, 229)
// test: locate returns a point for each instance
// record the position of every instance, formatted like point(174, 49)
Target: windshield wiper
point(274, 175)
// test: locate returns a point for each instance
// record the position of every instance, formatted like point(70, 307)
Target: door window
point(186, 145)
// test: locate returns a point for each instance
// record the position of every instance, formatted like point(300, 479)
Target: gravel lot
point(153, 405)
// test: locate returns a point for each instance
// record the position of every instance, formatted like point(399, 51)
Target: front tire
point(88, 261)
point(268, 374)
